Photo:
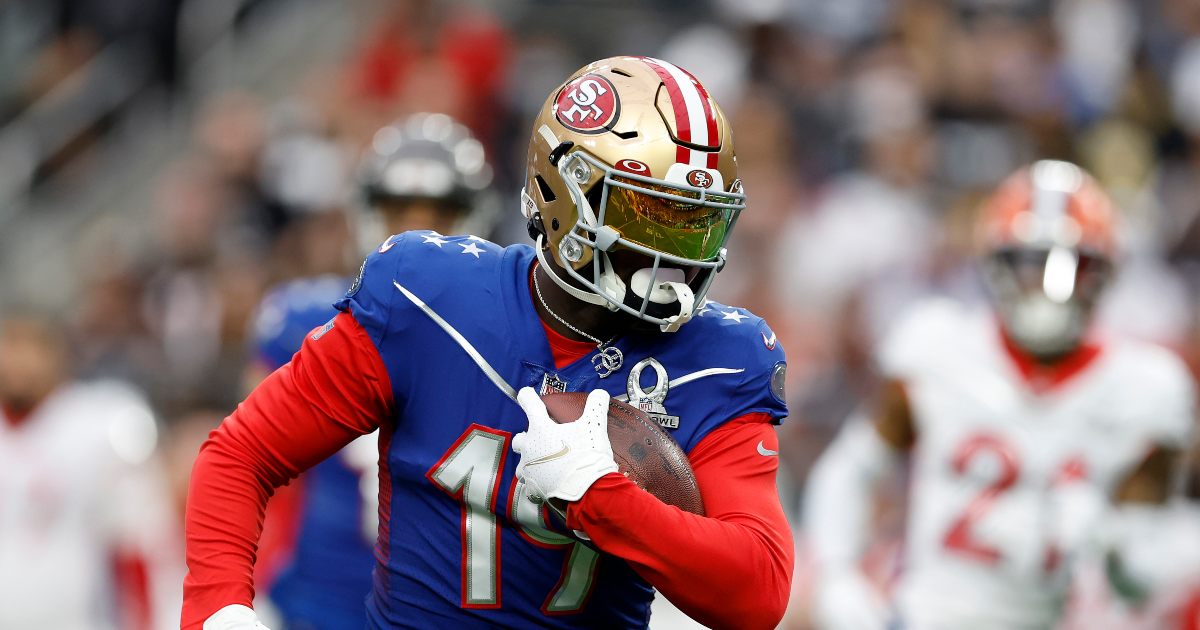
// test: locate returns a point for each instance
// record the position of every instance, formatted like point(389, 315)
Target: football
point(645, 453)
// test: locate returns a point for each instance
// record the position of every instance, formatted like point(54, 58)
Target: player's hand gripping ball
point(634, 443)
point(561, 461)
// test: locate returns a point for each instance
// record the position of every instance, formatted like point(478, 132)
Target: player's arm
point(136, 517)
point(1150, 483)
point(1142, 552)
point(729, 568)
point(838, 506)
point(1134, 526)
point(334, 390)
point(732, 567)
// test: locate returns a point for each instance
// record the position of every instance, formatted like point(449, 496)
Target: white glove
point(234, 617)
point(845, 600)
point(561, 461)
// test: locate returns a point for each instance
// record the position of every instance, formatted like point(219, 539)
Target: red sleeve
point(731, 568)
point(334, 390)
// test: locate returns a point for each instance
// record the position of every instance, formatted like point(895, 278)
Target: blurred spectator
point(185, 300)
point(108, 328)
point(872, 222)
point(414, 60)
point(87, 535)
point(229, 137)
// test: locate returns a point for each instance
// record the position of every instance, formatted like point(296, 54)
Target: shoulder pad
point(1162, 395)
point(737, 338)
point(926, 325)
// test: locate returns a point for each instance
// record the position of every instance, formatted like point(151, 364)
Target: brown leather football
point(644, 452)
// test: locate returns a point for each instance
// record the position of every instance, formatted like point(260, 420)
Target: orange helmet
point(1049, 233)
point(631, 153)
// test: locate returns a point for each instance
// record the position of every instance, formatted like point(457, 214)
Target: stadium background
point(163, 162)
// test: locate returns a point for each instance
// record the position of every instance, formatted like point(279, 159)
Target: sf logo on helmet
point(699, 178)
point(587, 104)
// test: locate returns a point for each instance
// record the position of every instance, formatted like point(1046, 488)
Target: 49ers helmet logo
point(588, 104)
point(699, 178)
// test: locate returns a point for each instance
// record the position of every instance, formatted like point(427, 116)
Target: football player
point(443, 343)
point(425, 170)
point(1033, 437)
point(86, 530)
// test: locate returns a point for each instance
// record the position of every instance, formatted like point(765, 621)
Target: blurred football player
point(86, 534)
point(1033, 438)
point(443, 343)
point(423, 171)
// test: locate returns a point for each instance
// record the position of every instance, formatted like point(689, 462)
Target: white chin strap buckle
point(610, 283)
point(687, 304)
point(665, 292)
point(612, 286)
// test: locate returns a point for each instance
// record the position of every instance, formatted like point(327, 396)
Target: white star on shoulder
point(435, 240)
point(703, 309)
point(470, 248)
point(735, 316)
point(472, 237)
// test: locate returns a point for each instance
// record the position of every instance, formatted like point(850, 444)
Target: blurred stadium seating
point(155, 155)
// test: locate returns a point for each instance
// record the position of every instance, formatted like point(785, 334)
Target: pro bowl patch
point(588, 104)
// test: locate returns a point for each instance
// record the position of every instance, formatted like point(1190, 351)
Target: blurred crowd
point(867, 132)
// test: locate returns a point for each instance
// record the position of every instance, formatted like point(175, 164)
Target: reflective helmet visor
point(670, 220)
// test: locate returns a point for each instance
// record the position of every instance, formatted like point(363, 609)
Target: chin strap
point(586, 296)
point(615, 288)
point(687, 305)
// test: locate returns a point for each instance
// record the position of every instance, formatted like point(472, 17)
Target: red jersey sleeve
point(335, 389)
point(731, 568)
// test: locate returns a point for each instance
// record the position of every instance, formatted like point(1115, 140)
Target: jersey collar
point(1043, 377)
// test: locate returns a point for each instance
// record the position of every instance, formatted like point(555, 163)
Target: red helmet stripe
point(713, 135)
point(709, 116)
point(682, 122)
point(695, 105)
point(695, 120)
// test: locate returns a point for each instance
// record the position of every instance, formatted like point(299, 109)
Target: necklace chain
point(608, 359)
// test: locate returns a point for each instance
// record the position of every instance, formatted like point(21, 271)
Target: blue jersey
point(290, 311)
point(459, 545)
point(325, 583)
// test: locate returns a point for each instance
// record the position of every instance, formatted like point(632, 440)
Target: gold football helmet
point(631, 153)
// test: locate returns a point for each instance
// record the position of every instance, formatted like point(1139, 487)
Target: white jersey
point(981, 549)
point(78, 489)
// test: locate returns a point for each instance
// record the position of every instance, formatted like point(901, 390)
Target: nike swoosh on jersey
point(764, 451)
point(551, 457)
